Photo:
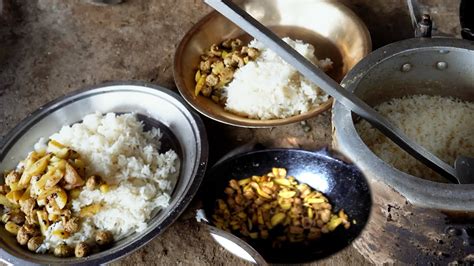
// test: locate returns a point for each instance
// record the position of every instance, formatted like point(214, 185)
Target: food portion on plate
point(442, 125)
point(252, 81)
point(277, 208)
point(88, 185)
point(218, 65)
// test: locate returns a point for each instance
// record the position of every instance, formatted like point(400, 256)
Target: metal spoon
point(461, 175)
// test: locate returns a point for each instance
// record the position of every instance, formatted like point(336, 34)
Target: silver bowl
point(182, 130)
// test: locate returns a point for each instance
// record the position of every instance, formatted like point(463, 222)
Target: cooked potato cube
point(104, 188)
point(30, 159)
point(14, 196)
point(61, 233)
point(12, 177)
point(34, 169)
point(12, 228)
point(58, 149)
point(74, 193)
point(90, 210)
point(26, 195)
point(57, 175)
point(6, 202)
point(72, 178)
point(80, 167)
point(61, 198)
point(43, 221)
point(56, 193)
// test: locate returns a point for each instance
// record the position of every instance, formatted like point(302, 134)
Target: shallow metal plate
point(182, 130)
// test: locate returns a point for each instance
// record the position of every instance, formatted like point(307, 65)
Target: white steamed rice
point(442, 125)
point(269, 88)
point(116, 148)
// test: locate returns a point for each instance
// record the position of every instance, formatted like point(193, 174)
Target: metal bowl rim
point(199, 168)
point(321, 153)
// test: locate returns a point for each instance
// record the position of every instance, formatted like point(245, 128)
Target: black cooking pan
point(343, 184)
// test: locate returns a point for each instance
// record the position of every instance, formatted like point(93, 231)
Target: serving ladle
point(461, 173)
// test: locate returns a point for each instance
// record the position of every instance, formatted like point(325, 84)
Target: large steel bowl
point(334, 30)
point(155, 106)
point(415, 214)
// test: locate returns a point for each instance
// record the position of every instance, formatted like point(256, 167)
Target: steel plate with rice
point(106, 170)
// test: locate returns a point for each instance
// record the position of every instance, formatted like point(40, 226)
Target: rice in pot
point(442, 125)
point(270, 88)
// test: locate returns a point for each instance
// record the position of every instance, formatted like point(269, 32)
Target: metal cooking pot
point(413, 220)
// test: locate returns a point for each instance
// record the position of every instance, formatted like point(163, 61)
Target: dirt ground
point(49, 48)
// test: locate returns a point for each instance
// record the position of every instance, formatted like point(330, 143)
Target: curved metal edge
point(325, 153)
point(254, 254)
point(431, 194)
point(364, 66)
point(362, 25)
point(198, 171)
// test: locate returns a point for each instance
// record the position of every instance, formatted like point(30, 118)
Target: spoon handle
point(317, 76)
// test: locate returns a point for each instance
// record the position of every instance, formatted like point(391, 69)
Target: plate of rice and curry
point(225, 75)
point(96, 174)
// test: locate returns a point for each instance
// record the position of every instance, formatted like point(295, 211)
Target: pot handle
point(466, 9)
point(422, 24)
